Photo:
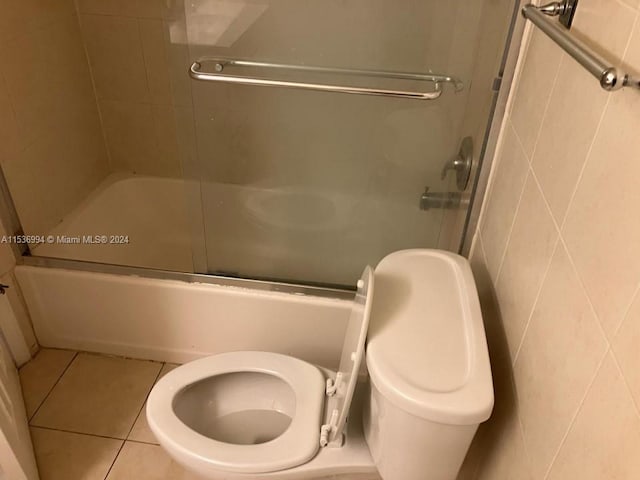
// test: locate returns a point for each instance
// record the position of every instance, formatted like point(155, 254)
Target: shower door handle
point(196, 73)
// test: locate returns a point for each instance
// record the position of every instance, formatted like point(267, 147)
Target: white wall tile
point(528, 253)
point(503, 200)
point(117, 61)
point(560, 354)
point(585, 160)
point(625, 347)
point(570, 123)
point(601, 230)
point(532, 93)
point(604, 440)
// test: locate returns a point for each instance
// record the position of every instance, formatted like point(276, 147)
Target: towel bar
point(610, 77)
point(221, 64)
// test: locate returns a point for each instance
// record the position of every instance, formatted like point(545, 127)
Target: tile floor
point(88, 422)
point(87, 417)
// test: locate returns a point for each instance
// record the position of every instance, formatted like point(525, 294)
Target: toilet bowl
point(253, 415)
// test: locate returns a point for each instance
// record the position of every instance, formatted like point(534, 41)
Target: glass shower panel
point(309, 186)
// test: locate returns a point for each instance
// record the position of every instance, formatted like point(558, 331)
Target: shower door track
point(253, 284)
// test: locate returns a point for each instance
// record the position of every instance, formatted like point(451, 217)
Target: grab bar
point(610, 77)
point(220, 64)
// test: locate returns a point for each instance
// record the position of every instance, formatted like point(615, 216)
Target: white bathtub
point(253, 231)
point(175, 321)
point(150, 211)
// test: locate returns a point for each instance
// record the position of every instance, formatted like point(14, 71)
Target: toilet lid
point(352, 353)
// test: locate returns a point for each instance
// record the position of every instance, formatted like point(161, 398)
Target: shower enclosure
point(278, 140)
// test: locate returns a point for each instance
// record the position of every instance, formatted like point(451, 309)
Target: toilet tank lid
point(426, 350)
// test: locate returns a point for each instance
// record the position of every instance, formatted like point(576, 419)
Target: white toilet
point(254, 415)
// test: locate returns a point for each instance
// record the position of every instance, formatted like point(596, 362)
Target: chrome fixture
point(565, 10)
point(430, 200)
point(220, 64)
point(610, 77)
point(461, 164)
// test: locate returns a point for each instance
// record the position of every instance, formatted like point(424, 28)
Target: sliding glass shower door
point(304, 132)
point(297, 180)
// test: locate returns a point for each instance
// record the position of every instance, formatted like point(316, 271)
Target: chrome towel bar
point(610, 77)
point(220, 64)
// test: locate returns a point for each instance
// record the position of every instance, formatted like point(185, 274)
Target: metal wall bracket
point(565, 10)
point(566, 17)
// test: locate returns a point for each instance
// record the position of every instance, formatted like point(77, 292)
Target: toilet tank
point(428, 364)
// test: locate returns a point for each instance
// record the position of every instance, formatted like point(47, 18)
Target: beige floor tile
point(140, 431)
point(73, 456)
point(40, 375)
point(141, 461)
point(98, 395)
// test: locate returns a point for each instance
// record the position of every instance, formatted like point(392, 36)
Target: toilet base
point(353, 459)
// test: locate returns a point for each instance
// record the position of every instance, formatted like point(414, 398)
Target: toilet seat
point(297, 445)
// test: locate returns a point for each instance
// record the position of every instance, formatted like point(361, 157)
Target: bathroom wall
point(557, 264)
point(125, 42)
point(52, 150)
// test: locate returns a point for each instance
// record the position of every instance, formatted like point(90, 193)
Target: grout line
point(87, 57)
point(145, 399)
point(634, 297)
point(626, 383)
point(597, 131)
point(145, 60)
point(536, 142)
point(75, 355)
point(585, 291)
point(575, 415)
point(106, 476)
point(107, 437)
point(126, 439)
point(523, 439)
point(535, 302)
point(515, 214)
point(142, 442)
point(587, 158)
point(544, 200)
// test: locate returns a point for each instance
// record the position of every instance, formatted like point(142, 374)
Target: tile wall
point(52, 149)
point(557, 264)
point(84, 92)
point(128, 55)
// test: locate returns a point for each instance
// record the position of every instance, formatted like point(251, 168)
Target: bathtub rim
point(323, 291)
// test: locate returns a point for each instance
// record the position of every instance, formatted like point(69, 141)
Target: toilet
point(406, 410)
